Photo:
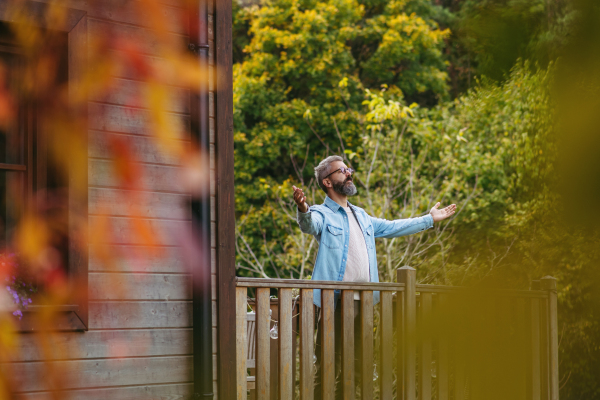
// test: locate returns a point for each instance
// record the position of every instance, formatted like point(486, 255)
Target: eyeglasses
point(343, 170)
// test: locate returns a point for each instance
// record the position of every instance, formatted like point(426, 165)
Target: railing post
point(549, 283)
point(408, 276)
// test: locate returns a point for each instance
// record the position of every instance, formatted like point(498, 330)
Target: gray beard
point(345, 188)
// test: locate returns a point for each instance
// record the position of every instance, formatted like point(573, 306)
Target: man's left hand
point(440, 215)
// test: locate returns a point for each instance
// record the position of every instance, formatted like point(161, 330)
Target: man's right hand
point(300, 199)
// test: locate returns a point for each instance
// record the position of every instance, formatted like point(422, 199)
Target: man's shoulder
point(359, 210)
point(322, 208)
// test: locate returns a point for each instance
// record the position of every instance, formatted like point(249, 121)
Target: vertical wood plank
point(442, 361)
point(366, 312)
point(459, 348)
point(408, 275)
point(327, 345)
point(348, 344)
point(78, 183)
point(286, 388)
point(535, 350)
point(225, 196)
point(549, 283)
point(518, 346)
point(386, 331)
point(425, 334)
point(274, 358)
point(544, 351)
point(307, 321)
point(241, 345)
point(263, 350)
point(400, 334)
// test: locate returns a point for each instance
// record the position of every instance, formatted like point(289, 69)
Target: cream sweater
point(357, 267)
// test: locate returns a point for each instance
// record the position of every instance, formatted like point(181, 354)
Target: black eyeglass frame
point(342, 170)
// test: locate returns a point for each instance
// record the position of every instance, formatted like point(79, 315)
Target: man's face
point(342, 183)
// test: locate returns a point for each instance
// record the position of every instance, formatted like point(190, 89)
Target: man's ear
point(327, 183)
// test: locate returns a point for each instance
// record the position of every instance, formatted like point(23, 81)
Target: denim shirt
point(328, 223)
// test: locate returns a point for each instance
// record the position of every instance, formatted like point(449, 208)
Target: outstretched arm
point(402, 227)
point(309, 222)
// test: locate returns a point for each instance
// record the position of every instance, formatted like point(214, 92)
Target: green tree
point(295, 53)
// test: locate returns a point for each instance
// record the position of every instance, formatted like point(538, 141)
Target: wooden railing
point(450, 342)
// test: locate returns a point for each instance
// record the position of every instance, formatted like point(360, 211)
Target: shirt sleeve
point(400, 227)
point(310, 222)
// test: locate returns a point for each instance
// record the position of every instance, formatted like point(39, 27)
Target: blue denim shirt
point(328, 223)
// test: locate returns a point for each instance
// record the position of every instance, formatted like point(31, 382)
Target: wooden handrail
point(492, 291)
point(306, 284)
point(434, 342)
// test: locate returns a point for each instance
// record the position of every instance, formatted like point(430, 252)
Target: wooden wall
point(139, 343)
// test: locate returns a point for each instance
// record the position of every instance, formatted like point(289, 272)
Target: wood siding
point(139, 342)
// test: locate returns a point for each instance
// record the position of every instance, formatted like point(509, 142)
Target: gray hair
point(324, 169)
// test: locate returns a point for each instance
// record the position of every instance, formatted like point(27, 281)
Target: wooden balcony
point(421, 341)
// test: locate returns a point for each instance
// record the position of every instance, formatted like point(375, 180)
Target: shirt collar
point(333, 206)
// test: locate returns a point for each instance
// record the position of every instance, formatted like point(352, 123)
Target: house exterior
point(139, 327)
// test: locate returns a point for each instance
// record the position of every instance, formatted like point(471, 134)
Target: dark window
point(34, 165)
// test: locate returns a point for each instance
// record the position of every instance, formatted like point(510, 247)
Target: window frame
point(74, 315)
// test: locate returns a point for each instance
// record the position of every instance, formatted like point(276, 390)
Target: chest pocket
point(332, 237)
point(369, 237)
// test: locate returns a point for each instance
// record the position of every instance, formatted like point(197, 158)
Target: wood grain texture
point(263, 350)
point(366, 321)
point(78, 179)
point(122, 230)
point(140, 314)
point(128, 92)
point(104, 344)
point(224, 190)
point(110, 286)
point(152, 61)
point(307, 331)
point(241, 343)
point(549, 284)
point(348, 344)
point(327, 345)
point(426, 346)
point(534, 363)
point(120, 119)
point(138, 13)
point(146, 40)
point(126, 203)
point(161, 178)
point(443, 365)
point(78, 374)
point(312, 284)
point(142, 149)
point(407, 276)
point(400, 349)
point(181, 391)
point(385, 343)
point(286, 336)
point(544, 350)
point(126, 258)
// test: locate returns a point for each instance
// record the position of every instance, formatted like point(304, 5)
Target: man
point(346, 236)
